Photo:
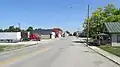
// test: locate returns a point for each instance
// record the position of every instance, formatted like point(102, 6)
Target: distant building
point(48, 33)
point(58, 32)
point(45, 33)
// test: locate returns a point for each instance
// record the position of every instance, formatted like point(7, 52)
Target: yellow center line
point(2, 63)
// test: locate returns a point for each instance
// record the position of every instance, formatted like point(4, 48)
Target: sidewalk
point(108, 55)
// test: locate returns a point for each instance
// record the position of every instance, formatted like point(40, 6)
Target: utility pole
point(88, 24)
point(19, 25)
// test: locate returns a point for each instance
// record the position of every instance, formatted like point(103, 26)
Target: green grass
point(9, 47)
point(2, 47)
point(111, 49)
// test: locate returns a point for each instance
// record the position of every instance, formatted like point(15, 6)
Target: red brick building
point(57, 31)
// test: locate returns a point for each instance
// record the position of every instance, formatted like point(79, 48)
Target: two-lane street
point(60, 53)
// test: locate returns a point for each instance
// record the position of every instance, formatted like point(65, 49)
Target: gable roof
point(113, 27)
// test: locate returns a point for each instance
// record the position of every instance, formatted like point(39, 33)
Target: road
point(60, 53)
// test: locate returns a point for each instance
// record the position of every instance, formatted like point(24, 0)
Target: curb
point(105, 56)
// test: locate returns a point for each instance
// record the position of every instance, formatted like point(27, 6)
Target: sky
point(64, 14)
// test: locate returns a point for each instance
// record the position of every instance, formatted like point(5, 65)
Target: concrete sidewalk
point(108, 55)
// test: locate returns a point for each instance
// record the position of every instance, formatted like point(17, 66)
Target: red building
point(57, 31)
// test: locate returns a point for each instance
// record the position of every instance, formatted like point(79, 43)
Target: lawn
point(2, 47)
point(9, 47)
point(113, 50)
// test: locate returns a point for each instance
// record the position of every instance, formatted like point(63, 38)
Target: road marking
point(12, 60)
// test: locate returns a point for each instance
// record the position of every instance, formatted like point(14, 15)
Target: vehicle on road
point(18, 36)
point(34, 36)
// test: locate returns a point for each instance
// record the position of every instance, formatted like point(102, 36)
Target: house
point(58, 32)
point(45, 33)
point(113, 30)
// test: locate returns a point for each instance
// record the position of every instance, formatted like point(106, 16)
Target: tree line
point(109, 13)
point(16, 29)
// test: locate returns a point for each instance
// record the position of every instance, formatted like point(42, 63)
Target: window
point(118, 38)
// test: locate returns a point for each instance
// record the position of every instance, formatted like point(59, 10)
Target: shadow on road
point(78, 41)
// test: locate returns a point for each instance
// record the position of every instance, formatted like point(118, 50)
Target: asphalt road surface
point(60, 53)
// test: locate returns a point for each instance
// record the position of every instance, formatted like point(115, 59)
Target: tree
point(6, 30)
point(74, 34)
point(23, 31)
point(17, 29)
point(1, 30)
point(11, 29)
point(101, 15)
point(67, 32)
point(30, 28)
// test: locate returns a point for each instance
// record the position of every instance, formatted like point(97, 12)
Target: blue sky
point(48, 13)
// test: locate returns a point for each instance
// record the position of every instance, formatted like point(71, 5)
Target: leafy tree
point(74, 34)
point(23, 31)
point(1, 30)
point(6, 30)
point(17, 29)
point(11, 28)
point(30, 28)
point(101, 15)
point(67, 32)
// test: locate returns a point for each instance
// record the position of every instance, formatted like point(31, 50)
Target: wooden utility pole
point(88, 23)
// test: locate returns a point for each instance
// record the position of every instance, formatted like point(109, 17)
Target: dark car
point(93, 43)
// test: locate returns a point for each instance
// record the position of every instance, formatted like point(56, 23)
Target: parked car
point(93, 43)
point(34, 37)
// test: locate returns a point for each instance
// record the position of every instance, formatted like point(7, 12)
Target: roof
point(42, 31)
point(57, 29)
point(113, 27)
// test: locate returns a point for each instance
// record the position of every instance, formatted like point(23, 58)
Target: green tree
point(101, 15)
point(74, 34)
point(1, 30)
point(30, 28)
point(17, 29)
point(11, 29)
point(23, 31)
point(6, 30)
point(67, 32)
